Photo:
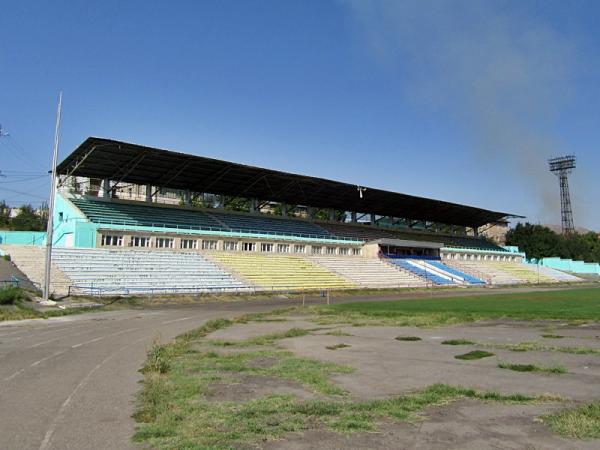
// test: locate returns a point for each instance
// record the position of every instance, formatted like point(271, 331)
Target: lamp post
point(50, 227)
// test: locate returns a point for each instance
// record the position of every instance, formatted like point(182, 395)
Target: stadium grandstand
point(136, 219)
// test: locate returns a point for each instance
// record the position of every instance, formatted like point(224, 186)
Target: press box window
point(230, 246)
point(248, 246)
point(190, 244)
point(283, 248)
point(138, 241)
point(266, 247)
point(209, 245)
point(112, 240)
point(164, 243)
point(330, 250)
point(316, 250)
point(299, 249)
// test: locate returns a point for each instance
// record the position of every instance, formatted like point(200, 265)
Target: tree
point(236, 203)
point(323, 214)
point(540, 242)
point(27, 220)
point(4, 214)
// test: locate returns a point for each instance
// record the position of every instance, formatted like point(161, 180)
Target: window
point(112, 240)
point(356, 251)
point(164, 243)
point(316, 250)
point(266, 247)
point(330, 250)
point(299, 248)
point(209, 245)
point(344, 251)
point(230, 246)
point(189, 244)
point(248, 246)
point(60, 216)
point(283, 248)
point(139, 241)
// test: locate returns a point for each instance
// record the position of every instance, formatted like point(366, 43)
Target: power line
point(24, 179)
point(22, 193)
point(17, 149)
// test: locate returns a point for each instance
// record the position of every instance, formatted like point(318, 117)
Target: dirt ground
point(386, 367)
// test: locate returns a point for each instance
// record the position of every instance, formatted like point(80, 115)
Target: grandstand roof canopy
point(132, 163)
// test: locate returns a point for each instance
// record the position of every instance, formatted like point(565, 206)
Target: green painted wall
point(71, 227)
point(23, 237)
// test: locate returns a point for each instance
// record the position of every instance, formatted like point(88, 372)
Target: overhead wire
point(18, 151)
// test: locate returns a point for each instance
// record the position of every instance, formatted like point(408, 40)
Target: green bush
point(11, 295)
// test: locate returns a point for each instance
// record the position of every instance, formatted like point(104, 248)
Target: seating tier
point(143, 215)
point(522, 272)
point(420, 270)
point(131, 271)
point(258, 224)
point(455, 272)
point(371, 273)
point(280, 272)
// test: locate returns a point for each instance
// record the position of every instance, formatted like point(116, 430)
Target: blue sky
point(461, 101)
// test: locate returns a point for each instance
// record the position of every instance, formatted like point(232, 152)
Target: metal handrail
point(238, 231)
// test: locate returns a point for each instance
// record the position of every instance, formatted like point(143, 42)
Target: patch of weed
point(581, 423)
point(556, 369)
point(552, 336)
point(267, 339)
point(408, 338)
point(457, 342)
point(475, 354)
point(337, 333)
point(11, 295)
point(536, 346)
point(337, 346)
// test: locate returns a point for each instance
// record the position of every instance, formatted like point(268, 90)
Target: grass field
point(172, 413)
point(190, 400)
point(567, 304)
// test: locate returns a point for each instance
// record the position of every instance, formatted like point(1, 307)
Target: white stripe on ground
point(100, 338)
point(175, 320)
point(47, 358)
point(14, 375)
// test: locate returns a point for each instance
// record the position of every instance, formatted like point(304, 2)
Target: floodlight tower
point(562, 168)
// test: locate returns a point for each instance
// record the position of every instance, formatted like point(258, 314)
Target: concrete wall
point(23, 237)
point(71, 227)
point(569, 265)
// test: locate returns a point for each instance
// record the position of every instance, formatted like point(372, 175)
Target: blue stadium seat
point(404, 264)
point(465, 276)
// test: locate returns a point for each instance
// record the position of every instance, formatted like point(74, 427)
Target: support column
point(332, 215)
point(187, 197)
point(475, 231)
point(253, 205)
point(310, 213)
point(372, 218)
point(105, 188)
point(353, 216)
point(149, 193)
point(284, 209)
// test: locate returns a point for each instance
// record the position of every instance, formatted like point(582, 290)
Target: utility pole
point(50, 227)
